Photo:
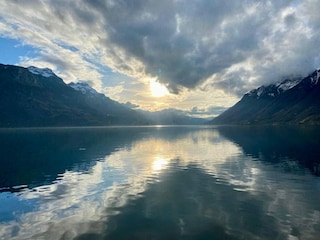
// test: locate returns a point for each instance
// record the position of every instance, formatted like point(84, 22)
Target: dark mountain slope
point(116, 112)
point(34, 97)
point(291, 101)
point(37, 97)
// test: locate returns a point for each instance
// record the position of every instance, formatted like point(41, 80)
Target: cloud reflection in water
point(189, 185)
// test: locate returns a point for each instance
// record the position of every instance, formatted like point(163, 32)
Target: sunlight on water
point(159, 163)
point(170, 182)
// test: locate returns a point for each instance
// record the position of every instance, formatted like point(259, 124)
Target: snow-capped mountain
point(273, 90)
point(290, 101)
point(83, 87)
point(287, 84)
point(45, 72)
point(37, 97)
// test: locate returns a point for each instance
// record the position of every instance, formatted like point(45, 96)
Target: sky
point(199, 56)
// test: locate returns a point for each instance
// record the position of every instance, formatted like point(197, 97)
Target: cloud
point(231, 45)
point(131, 105)
point(206, 112)
point(113, 92)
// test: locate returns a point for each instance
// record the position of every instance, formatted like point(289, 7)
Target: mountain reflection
point(155, 183)
point(288, 146)
point(33, 157)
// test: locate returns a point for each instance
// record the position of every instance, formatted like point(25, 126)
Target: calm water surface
point(160, 183)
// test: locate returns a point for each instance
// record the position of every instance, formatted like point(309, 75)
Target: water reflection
point(156, 183)
point(292, 148)
point(189, 203)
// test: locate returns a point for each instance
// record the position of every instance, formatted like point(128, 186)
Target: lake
point(186, 182)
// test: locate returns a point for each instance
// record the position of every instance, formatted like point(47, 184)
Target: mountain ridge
point(293, 101)
point(37, 97)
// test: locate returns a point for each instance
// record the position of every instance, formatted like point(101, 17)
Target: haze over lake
point(199, 182)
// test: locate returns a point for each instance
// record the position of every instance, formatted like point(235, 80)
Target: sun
point(157, 89)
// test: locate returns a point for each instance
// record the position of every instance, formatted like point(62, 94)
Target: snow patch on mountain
point(251, 93)
point(260, 91)
point(315, 77)
point(257, 92)
point(83, 87)
point(45, 72)
point(287, 84)
point(274, 90)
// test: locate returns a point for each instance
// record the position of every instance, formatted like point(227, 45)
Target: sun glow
point(159, 164)
point(157, 89)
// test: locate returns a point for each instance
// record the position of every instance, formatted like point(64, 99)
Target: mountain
point(172, 117)
point(37, 97)
point(295, 101)
point(115, 112)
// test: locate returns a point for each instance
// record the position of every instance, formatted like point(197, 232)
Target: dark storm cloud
point(232, 45)
point(178, 43)
point(183, 44)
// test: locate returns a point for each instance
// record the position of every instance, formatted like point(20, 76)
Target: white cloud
point(114, 92)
